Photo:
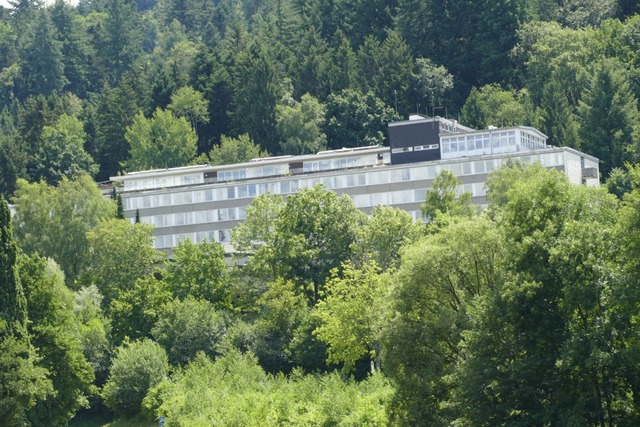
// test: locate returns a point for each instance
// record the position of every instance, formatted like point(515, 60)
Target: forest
point(525, 313)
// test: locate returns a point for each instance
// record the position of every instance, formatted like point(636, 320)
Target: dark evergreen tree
point(74, 46)
point(559, 122)
point(42, 60)
point(13, 305)
point(608, 113)
point(257, 90)
point(118, 40)
point(115, 112)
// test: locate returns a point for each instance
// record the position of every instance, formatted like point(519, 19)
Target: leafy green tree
point(438, 283)
point(311, 236)
point(54, 221)
point(299, 126)
point(355, 119)
point(550, 51)
point(188, 327)
point(53, 331)
point(443, 198)
point(352, 313)
point(200, 271)
point(224, 391)
point(137, 367)
point(311, 66)
point(471, 39)
point(235, 150)
point(188, 102)
point(119, 253)
point(546, 333)
point(586, 13)
point(283, 310)
point(23, 383)
point(383, 236)
point(137, 309)
point(608, 113)
point(619, 183)
point(62, 153)
point(163, 141)
point(93, 329)
point(171, 61)
point(492, 106)
point(431, 82)
point(342, 66)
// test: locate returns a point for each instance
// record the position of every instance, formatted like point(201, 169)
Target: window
point(401, 150)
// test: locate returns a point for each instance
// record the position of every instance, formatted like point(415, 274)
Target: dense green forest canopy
point(106, 86)
point(525, 313)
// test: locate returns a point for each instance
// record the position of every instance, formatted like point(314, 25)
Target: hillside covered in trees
point(525, 313)
point(107, 86)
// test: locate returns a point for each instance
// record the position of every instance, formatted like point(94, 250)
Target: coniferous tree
point(608, 112)
point(43, 66)
point(13, 305)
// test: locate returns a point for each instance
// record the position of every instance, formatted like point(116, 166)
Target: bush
point(137, 367)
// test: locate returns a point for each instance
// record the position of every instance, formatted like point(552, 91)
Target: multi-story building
point(207, 202)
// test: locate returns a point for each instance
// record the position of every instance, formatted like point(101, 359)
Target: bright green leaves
point(164, 141)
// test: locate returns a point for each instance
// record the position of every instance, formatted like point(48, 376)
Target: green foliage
point(561, 369)
point(351, 314)
point(312, 235)
point(383, 236)
point(299, 126)
point(13, 305)
point(619, 182)
point(431, 82)
point(53, 331)
point(234, 390)
point(608, 114)
point(188, 327)
point(199, 270)
point(93, 329)
point(43, 69)
point(136, 368)
point(438, 283)
point(492, 106)
point(163, 141)
point(257, 229)
point(355, 119)
point(189, 103)
point(138, 308)
point(61, 153)
point(559, 122)
point(54, 221)
point(22, 382)
point(235, 150)
point(443, 198)
point(257, 92)
point(119, 253)
point(282, 311)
